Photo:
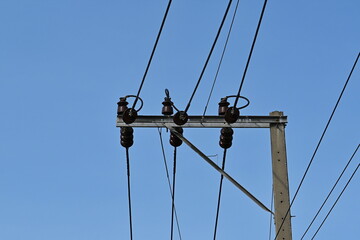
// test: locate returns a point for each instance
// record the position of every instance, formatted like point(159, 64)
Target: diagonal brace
point(217, 168)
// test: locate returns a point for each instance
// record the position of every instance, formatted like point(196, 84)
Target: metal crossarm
point(204, 122)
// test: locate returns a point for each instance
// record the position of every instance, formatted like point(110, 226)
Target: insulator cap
point(129, 116)
point(167, 109)
point(232, 115)
point(126, 136)
point(180, 118)
point(122, 106)
point(174, 140)
point(226, 137)
point(223, 106)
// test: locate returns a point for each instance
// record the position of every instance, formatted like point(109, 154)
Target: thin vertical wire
point(129, 192)
point(168, 180)
point(219, 196)
point(271, 216)
point(173, 195)
point(221, 58)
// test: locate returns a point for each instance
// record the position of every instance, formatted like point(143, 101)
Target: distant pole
point(280, 179)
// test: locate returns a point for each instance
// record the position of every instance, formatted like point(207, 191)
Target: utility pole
point(276, 122)
point(280, 179)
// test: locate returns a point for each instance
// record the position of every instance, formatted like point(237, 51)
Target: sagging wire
point(318, 145)
point(327, 215)
point(332, 189)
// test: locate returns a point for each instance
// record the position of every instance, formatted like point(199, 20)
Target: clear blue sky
point(64, 64)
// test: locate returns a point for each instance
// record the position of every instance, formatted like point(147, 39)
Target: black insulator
point(226, 137)
point(129, 116)
point(126, 136)
point(223, 106)
point(167, 109)
point(232, 115)
point(180, 118)
point(174, 140)
point(122, 106)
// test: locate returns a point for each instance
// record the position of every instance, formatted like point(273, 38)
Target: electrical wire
point(168, 180)
point(173, 195)
point(208, 58)
point(222, 56)
point(129, 192)
point(317, 147)
point(219, 196)
point(250, 54)
point(332, 189)
point(271, 216)
point(322, 223)
point(152, 53)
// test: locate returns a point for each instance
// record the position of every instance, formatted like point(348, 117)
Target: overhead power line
point(327, 215)
point(152, 53)
point(250, 53)
point(129, 191)
point(168, 180)
point(208, 58)
point(219, 196)
point(222, 56)
point(332, 189)
point(318, 145)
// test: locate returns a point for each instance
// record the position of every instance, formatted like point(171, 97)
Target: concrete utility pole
point(280, 179)
point(276, 122)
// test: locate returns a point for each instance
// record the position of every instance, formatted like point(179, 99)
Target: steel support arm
point(217, 168)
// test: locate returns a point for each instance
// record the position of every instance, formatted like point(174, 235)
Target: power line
point(168, 180)
point(335, 202)
point(152, 53)
point(219, 196)
point(250, 53)
point(222, 56)
point(330, 192)
point(129, 190)
point(317, 147)
point(271, 216)
point(173, 195)
point(208, 58)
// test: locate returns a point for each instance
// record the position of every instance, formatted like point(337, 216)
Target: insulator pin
point(232, 115)
point(226, 137)
point(167, 109)
point(126, 136)
point(174, 140)
point(129, 116)
point(223, 106)
point(122, 106)
point(180, 118)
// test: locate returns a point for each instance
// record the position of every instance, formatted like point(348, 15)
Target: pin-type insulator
point(129, 116)
point(180, 118)
point(232, 115)
point(122, 106)
point(226, 137)
point(167, 108)
point(174, 140)
point(223, 106)
point(126, 136)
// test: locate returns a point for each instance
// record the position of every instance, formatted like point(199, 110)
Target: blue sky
point(64, 64)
